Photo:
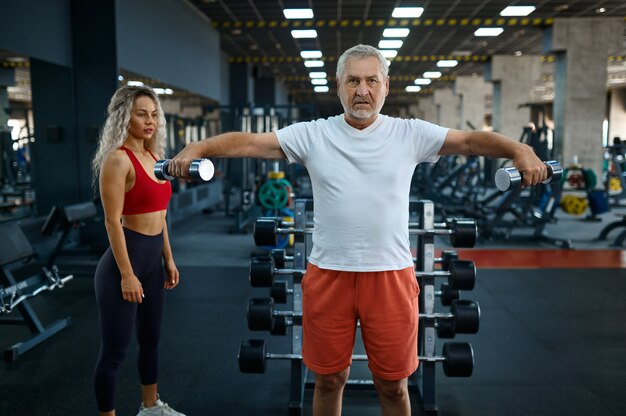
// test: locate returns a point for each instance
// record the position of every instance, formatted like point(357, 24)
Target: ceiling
point(256, 31)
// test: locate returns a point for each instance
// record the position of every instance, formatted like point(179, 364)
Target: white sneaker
point(159, 409)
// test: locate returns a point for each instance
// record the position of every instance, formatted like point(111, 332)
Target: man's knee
point(332, 382)
point(395, 390)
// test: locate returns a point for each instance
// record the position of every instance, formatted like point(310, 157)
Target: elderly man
point(360, 268)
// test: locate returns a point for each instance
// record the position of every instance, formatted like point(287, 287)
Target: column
point(513, 78)
point(472, 92)
point(447, 103)
point(582, 47)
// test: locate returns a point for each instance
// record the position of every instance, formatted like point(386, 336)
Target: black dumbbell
point(447, 256)
point(464, 318)
point(262, 271)
point(280, 257)
point(457, 358)
point(462, 231)
point(279, 292)
point(262, 316)
point(447, 294)
point(200, 170)
point(509, 178)
point(461, 274)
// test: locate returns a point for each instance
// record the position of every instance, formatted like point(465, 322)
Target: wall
point(170, 41)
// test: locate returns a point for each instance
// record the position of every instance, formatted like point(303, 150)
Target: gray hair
point(115, 129)
point(361, 52)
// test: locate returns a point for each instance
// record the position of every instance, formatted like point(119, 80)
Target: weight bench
point(15, 250)
point(67, 218)
point(619, 240)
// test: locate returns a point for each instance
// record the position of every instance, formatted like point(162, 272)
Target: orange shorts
point(384, 302)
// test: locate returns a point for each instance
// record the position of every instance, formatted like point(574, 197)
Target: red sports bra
point(146, 195)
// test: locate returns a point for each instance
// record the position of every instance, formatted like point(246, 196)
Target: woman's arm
point(112, 188)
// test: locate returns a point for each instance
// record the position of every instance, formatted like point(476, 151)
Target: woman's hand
point(172, 275)
point(132, 291)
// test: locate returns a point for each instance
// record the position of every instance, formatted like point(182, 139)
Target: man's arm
point(483, 143)
point(234, 144)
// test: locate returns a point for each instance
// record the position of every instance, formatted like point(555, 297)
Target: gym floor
point(551, 341)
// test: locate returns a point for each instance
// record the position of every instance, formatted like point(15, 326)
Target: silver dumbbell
point(200, 170)
point(508, 178)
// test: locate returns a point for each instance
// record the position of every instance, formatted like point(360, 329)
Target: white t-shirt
point(361, 181)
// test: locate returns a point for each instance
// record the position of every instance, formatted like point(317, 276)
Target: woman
point(134, 271)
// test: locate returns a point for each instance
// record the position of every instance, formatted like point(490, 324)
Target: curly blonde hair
point(115, 128)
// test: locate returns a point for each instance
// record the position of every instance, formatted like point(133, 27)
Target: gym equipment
point(15, 250)
point(276, 192)
point(461, 274)
point(457, 358)
point(199, 169)
point(279, 292)
point(464, 317)
point(621, 237)
point(508, 178)
point(574, 204)
point(463, 232)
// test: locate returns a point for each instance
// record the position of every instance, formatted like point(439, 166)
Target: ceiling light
point(298, 13)
point(311, 54)
point(447, 63)
point(390, 44)
point(432, 74)
point(389, 53)
point(488, 31)
point(396, 33)
point(321, 88)
point(413, 88)
point(317, 74)
point(518, 53)
point(407, 12)
point(134, 84)
point(304, 34)
point(422, 81)
point(517, 11)
point(600, 10)
point(319, 81)
point(120, 78)
point(313, 64)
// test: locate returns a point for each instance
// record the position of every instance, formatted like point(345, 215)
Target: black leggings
point(118, 318)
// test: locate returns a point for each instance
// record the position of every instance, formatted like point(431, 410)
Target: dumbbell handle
point(199, 169)
point(358, 357)
point(508, 178)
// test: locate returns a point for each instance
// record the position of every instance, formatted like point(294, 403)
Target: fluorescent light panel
point(321, 88)
point(422, 81)
point(389, 53)
point(304, 34)
point(317, 74)
point(488, 31)
point(311, 54)
point(407, 12)
point(319, 81)
point(432, 74)
point(396, 32)
point(447, 63)
point(134, 83)
point(390, 44)
point(517, 11)
point(413, 88)
point(298, 13)
point(313, 64)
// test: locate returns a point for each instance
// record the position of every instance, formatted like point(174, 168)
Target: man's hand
point(179, 166)
point(533, 170)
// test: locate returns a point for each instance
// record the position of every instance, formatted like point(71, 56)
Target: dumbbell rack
point(425, 261)
point(422, 382)
point(301, 248)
